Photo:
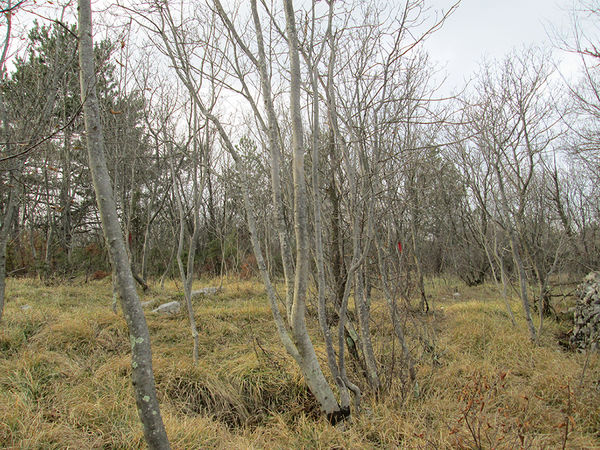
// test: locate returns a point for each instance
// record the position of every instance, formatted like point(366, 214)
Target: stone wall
point(586, 331)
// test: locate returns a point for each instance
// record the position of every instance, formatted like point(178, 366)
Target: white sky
point(492, 28)
point(477, 29)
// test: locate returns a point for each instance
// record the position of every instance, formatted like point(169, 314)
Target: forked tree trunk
point(345, 282)
point(394, 313)
point(187, 278)
point(11, 205)
point(297, 342)
point(310, 365)
point(319, 255)
point(420, 279)
point(518, 260)
point(9, 210)
point(141, 355)
point(498, 259)
point(4, 235)
point(275, 154)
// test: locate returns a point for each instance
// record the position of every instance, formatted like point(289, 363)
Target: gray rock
point(168, 309)
point(205, 291)
point(586, 314)
point(25, 307)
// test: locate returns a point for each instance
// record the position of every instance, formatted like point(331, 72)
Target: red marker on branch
point(399, 247)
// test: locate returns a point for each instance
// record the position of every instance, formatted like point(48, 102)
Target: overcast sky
point(492, 28)
point(485, 29)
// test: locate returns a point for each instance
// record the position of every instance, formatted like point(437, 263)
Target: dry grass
point(64, 377)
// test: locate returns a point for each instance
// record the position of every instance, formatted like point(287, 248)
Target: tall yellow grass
point(64, 376)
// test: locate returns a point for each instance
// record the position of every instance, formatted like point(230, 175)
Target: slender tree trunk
point(342, 328)
point(362, 312)
point(3, 242)
point(523, 283)
point(168, 266)
point(394, 313)
point(275, 153)
point(4, 236)
point(48, 249)
point(319, 258)
point(514, 245)
point(420, 281)
point(310, 365)
point(188, 278)
point(498, 259)
point(145, 251)
point(32, 247)
point(500, 263)
point(10, 206)
point(141, 355)
point(346, 329)
point(65, 195)
point(360, 301)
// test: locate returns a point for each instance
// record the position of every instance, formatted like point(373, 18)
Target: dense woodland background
point(367, 183)
point(433, 159)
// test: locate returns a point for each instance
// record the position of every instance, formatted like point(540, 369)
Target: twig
point(266, 353)
point(585, 365)
point(44, 139)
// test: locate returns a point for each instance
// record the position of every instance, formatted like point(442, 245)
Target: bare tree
point(141, 358)
point(32, 131)
point(515, 129)
point(7, 211)
point(187, 272)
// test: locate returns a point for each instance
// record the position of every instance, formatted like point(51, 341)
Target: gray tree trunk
point(4, 235)
point(394, 313)
point(319, 256)
point(275, 153)
point(141, 355)
point(514, 246)
point(13, 195)
point(310, 365)
point(187, 278)
point(500, 263)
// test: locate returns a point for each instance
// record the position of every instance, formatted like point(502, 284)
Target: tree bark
point(14, 194)
point(319, 256)
point(275, 153)
point(518, 260)
point(394, 313)
point(187, 278)
point(141, 355)
point(4, 235)
point(498, 259)
point(310, 365)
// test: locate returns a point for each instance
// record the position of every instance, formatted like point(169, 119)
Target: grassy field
point(64, 376)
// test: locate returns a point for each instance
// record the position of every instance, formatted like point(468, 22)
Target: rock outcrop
point(586, 331)
point(205, 291)
point(168, 309)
